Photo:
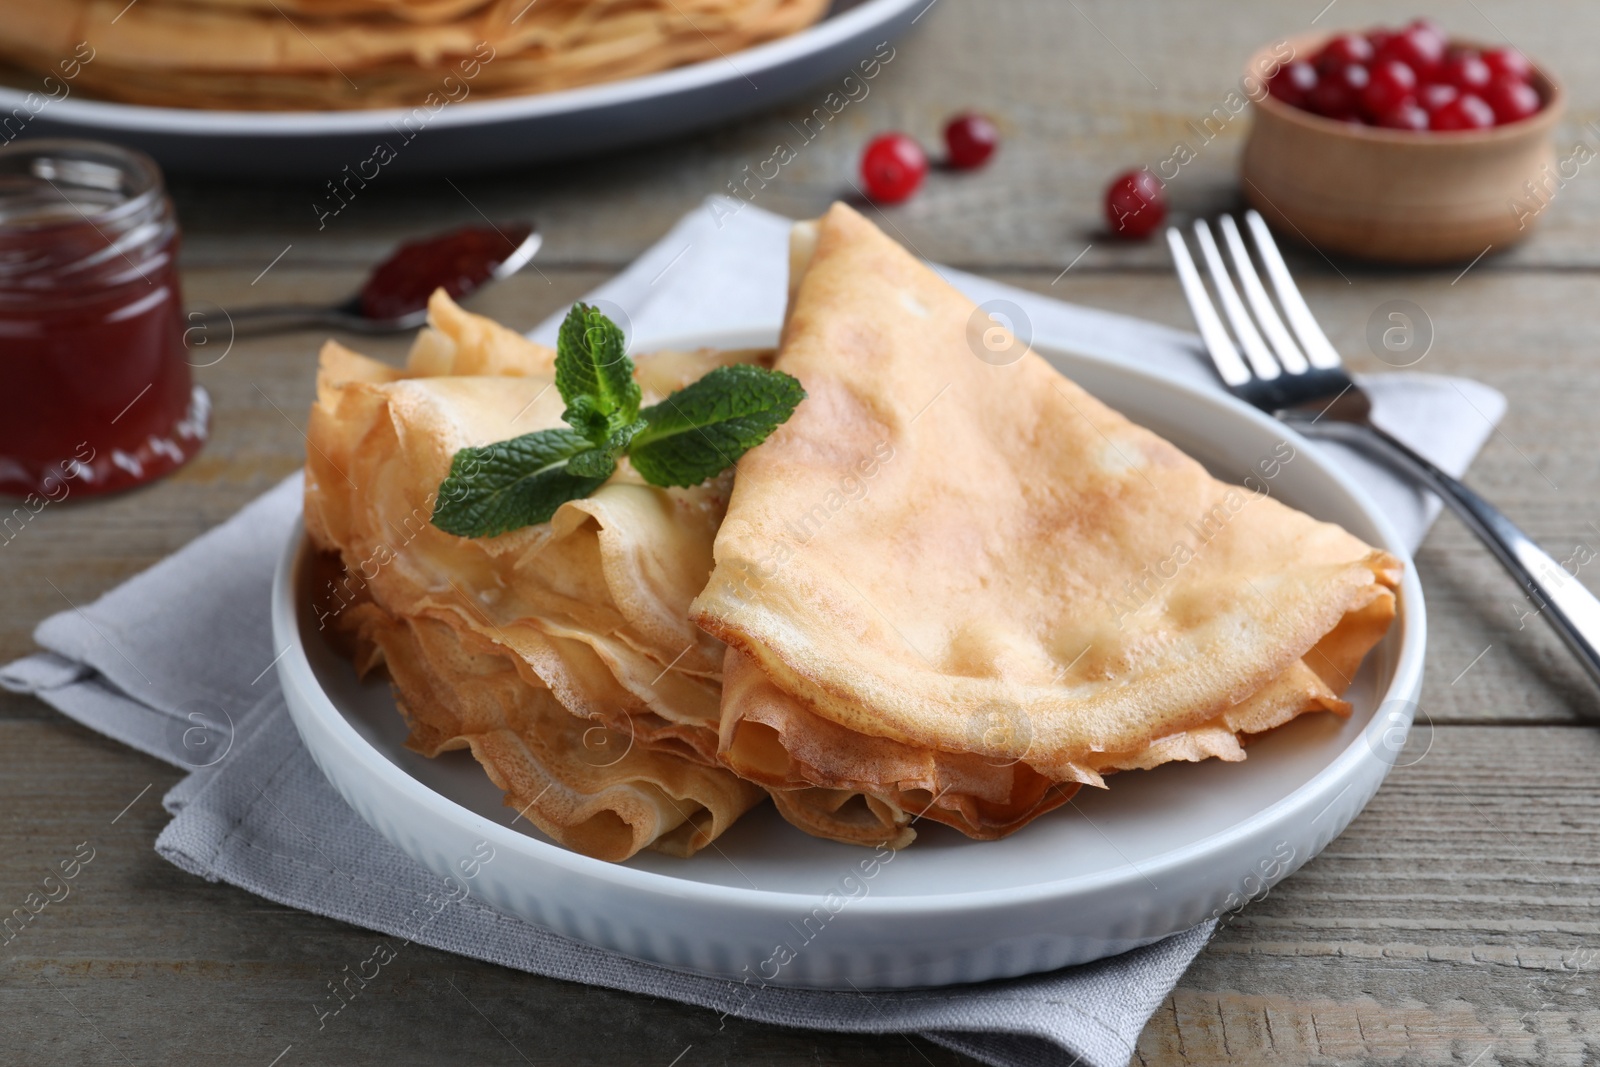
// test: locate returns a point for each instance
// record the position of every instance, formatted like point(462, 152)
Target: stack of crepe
point(334, 54)
point(943, 590)
point(561, 654)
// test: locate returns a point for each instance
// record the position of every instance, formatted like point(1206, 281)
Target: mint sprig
point(703, 428)
point(594, 373)
point(694, 434)
point(514, 483)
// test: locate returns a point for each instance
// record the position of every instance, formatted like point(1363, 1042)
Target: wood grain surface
point(1457, 921)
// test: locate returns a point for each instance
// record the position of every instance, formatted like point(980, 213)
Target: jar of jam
point(94, 384)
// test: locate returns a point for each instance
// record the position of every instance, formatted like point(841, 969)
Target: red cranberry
point(1136, 204)
point(1508, 62)
point(1344, 50)
point(1293, 82)
point(1467, 71)
point(892, 167)
point(1337, 94)
point(1433, 97)
point(1417, 47)
point(1378, 38)
point(1512, 100)
point(1465, 112)
point(970, 139)
point(1406, 115)
point(1431, 28)
point(1390, 84)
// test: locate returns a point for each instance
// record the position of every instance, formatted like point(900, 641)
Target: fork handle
point(1556, 593)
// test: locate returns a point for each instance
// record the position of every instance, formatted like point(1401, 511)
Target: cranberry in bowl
point(1401, 145)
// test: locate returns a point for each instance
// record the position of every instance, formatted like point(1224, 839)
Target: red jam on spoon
point(459, 261)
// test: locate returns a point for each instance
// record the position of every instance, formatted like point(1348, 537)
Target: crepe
point(422, 54)
point(958, 591)
point(561, 653)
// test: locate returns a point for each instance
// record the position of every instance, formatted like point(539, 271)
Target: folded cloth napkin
point(178, 662)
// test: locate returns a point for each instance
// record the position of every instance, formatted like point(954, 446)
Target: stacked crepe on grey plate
point(944, 588)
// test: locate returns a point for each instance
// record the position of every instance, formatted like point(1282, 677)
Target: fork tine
point(1255, 349)
point(1283, 345)
point(1218, 344)
point(1318, 350)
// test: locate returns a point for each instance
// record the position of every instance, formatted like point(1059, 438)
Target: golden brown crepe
point(315, 55)
point(960, 590)
point(592, 789)
point(520, 646)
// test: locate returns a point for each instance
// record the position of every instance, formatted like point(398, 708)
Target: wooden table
point(1454, 922)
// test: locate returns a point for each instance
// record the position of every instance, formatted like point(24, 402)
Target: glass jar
point(94, 384)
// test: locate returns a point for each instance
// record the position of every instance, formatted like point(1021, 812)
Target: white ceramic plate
point(1156, 853)
point(484, 134)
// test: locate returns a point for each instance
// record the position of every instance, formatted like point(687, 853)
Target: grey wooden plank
point(1463, 897)
point(141, 963)
point(1436, 930)
point(1454, 922)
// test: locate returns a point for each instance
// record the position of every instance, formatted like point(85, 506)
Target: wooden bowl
point(1395, 195)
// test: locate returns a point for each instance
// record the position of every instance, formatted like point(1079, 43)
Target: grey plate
point(1159, 852)
point(487, 134)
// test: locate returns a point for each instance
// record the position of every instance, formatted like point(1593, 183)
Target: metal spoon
point(347, 315)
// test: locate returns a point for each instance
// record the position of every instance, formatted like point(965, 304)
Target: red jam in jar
point(94, 384)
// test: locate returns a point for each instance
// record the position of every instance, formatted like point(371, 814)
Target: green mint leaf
point(601, 461)
point(594, 373)
point(593, 463)
point(693, 435)
point(705, 427)
point(582, 415)
point(623, 436)
point(511, 484)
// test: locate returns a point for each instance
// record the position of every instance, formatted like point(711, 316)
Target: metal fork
point(1306, 386)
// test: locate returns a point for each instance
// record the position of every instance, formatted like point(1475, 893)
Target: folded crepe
point(334, 54)
point(561, 654)
point(958, 591)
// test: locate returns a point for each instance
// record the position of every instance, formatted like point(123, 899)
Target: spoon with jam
point(395, 295)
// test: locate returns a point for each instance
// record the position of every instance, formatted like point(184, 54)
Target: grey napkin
point(177, 662)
